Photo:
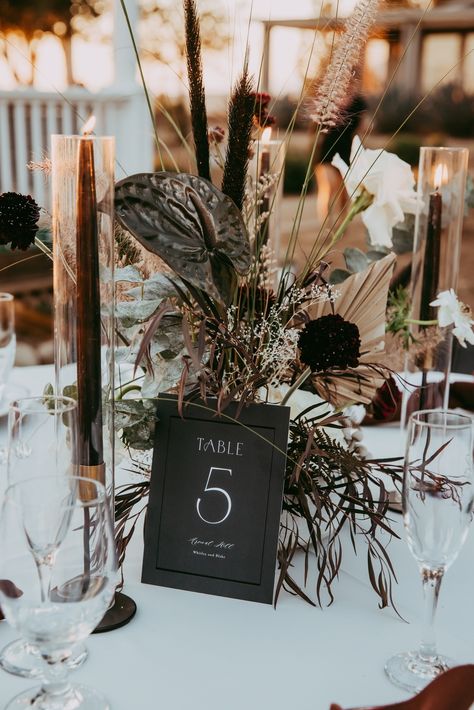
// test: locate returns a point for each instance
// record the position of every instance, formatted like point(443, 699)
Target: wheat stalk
point(197, 99)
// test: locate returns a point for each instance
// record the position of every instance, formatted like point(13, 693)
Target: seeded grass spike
point(197, 98)
point(337, 86)
point(241, 110)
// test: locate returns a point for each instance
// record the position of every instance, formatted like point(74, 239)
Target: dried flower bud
point(216, 134)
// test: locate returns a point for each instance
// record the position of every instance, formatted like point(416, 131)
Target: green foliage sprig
point(398, 314)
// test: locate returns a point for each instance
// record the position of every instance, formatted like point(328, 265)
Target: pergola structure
point(405, 29)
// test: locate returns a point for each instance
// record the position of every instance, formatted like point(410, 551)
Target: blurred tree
point(32, 18)
point(163, 30)
point(163, 26)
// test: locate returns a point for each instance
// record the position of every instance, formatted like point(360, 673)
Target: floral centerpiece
point(203, 312)
point(207, 316)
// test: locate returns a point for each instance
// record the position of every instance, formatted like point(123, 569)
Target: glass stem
point(431, 584)
point(55, 674)
point(45, 570)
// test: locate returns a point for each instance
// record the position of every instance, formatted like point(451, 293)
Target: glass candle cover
point(435, 266)
point(84, 336)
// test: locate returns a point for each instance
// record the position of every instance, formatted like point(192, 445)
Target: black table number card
point(215, 499)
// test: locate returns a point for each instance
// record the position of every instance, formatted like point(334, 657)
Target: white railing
point(29, 117)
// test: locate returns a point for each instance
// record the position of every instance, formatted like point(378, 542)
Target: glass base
point(412, 672)
point(21, 658)
point(78, 697)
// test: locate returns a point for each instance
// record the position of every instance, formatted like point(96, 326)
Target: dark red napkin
point(386, 405)
point(453, 690)
point(10, 590)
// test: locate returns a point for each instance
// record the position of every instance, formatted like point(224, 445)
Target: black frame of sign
point(185, 550)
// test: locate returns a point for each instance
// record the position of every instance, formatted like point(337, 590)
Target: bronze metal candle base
point(88, 492)
point(119, 614)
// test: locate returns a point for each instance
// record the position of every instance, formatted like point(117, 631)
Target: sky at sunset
point(93, 59)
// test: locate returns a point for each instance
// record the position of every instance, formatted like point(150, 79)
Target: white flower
point(452, 310)
point(389, 179)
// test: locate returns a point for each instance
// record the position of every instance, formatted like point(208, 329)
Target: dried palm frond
point(241, 108)
point(362, 300)
point(197, 98)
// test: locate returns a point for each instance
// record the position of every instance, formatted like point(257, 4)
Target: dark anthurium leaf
point(190, 224)
point(224, 276)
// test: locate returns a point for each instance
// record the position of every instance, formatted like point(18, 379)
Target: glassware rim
point(6, 297)
point(466, 421)
point(77, 136)
point(69, 402)
point(100, 498)
point(446, 148)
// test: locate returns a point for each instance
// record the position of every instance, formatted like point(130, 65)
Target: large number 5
point(209, 489)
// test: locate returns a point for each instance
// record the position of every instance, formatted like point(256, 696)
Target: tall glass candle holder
point(435, 266)
point(84, 336)
point(266, 172)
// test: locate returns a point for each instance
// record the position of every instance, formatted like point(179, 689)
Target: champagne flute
point(438, 497)
point(7, 339)
point(41, 438)
point(57, 551)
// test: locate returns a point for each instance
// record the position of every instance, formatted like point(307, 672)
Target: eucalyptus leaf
point(402, 241)
point(128, 273)
point(156, 287)
point(403, 235)
point(132, 312)
point(124, 354)
point(70, 391)
point(167, 338)
point(164, 376)
point(374, 255)
point(338, 276)
point(136, 418)
point(355, 259)
point(190, 224)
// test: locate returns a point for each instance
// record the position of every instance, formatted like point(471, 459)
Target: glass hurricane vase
point(435, 267)
point(84, 335)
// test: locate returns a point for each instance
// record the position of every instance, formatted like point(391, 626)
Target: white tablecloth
point(185, 650)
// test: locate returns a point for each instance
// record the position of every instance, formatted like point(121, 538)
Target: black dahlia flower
point(329, 342)
point(19, 215)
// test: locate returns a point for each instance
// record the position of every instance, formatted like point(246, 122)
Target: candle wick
point(88, 128)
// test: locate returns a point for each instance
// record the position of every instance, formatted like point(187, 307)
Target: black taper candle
point(431, 261)
point(264, 207)
point(429, 284)
point(89, 379)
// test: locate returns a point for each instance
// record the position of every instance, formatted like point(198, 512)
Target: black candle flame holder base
point(119, 614)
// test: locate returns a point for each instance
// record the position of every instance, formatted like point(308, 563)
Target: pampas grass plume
point(337, 85)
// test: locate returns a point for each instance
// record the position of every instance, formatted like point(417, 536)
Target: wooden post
point(409, 74)
point(265, 82)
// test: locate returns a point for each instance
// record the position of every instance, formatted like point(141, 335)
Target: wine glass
point(7, 339)
point(438, 496)
point(41, 437)
point(57, 551)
